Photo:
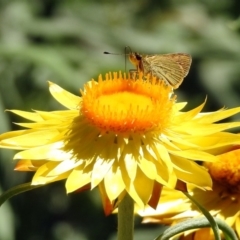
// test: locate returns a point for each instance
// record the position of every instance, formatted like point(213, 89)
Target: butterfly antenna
point(127, 51)
point(113, 53)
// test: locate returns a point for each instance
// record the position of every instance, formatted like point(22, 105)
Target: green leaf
point(196, 223)
point(210, 218)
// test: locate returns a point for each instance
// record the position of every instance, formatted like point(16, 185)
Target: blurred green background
point(64, 41)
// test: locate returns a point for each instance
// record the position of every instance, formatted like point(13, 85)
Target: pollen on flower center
point(121, 104)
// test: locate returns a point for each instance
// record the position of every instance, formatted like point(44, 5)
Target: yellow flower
point(122, 135)
point(222, 202)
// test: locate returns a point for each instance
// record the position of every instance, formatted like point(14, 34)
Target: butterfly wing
point(183, 59)
point(172, 68)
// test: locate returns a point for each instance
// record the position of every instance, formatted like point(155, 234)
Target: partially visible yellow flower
point(222, 202)
point(122, 135)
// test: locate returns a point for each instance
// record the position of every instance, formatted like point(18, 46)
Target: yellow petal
point(189, 171)
point(197, 129)
point(190, 114)
point(100, 169)
point(28, 165)
point(77, 179)
point(113, 183)
point(237, 225)
point(194, 155)
point(141, 189)
point(29, 138)
point(148, 167)
point(218, 115)
point(130, 165)
point(51, 152)
point(28, 115)
point(40, 176)
point(180, 106)
point(165, 158)
point(67, 99)
point(64, 166)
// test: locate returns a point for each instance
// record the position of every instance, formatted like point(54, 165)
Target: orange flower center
point(226, 171)
point(120, 104)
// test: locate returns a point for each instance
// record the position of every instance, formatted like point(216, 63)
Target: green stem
point(126, 219)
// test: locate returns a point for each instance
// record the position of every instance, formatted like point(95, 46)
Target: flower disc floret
point(122, 105)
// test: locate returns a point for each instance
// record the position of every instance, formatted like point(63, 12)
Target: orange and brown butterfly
point(171, 68)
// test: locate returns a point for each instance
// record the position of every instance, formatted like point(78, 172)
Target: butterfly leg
point(133, 74)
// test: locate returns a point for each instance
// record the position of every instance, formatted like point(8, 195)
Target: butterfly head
point(135, 59)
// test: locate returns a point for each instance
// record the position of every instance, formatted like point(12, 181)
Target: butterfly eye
point(138, 57)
